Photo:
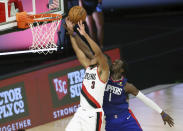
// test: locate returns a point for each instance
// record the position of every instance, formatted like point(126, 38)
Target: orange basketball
point(77, 13)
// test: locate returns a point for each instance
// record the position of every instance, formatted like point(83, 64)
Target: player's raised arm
point(84, 47)
point(81, 44)
point(131, 89)
point(96, 49)
point(79, 53)
point(101, 59)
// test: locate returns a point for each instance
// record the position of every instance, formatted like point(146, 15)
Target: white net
point(43, 34)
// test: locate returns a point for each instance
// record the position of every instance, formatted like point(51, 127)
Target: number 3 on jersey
point(93, 85)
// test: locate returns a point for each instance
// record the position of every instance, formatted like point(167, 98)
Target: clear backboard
point(14, 39)
point(9, 8)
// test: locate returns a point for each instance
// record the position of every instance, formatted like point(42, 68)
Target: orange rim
point(52, 17)
point(23, 19)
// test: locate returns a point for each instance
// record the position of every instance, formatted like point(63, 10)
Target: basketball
point(77, 13)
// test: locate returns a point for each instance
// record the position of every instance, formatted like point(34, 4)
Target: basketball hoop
point(43, 28)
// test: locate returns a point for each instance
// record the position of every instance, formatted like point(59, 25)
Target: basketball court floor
point(168, 96)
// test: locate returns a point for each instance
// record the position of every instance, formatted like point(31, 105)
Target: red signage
point(42, 96)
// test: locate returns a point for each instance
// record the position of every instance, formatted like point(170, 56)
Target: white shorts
point(86, 120)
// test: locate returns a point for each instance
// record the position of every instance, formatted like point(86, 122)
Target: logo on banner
point(60, 85)
point(66, 86)
point(12, 102)
point(75, 82)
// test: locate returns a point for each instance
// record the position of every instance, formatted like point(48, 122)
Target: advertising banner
point(19, 105)
point(13, 103)
point(42, 96)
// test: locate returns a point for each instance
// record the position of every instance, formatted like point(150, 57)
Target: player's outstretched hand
point(81, 28)
point(69, 25)
point(167, 119)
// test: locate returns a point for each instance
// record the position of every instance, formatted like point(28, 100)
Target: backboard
point(8, 9)
point(14, 39)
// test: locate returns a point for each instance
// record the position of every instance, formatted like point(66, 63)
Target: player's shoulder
point(129, 84)
point(129, 87)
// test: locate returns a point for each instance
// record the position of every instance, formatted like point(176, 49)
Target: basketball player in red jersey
point(90, 115)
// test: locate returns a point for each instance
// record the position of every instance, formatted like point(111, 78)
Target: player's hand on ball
point(81, 28)
point(167, 119)
point(69, 24)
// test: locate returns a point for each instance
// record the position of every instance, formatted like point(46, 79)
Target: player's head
point(119, 66)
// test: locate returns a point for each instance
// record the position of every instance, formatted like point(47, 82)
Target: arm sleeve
point(149, 102)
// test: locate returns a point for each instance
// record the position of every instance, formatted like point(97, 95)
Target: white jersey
point(89, 117)
point(92, 89)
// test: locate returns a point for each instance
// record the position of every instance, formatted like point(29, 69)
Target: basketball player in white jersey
point(89, 116)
